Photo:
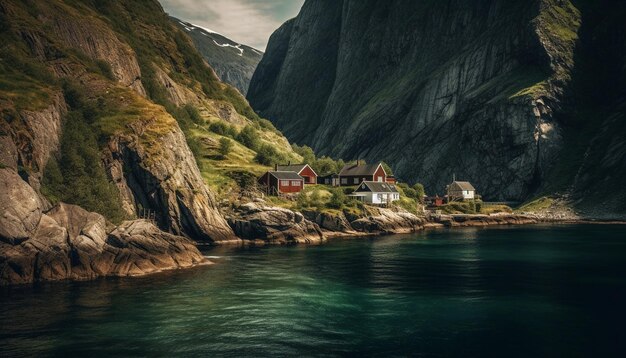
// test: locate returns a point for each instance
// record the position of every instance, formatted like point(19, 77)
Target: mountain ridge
point(233, 62)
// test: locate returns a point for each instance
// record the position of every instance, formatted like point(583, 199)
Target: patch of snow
point(257, 51)
point(190, 26)
point(238, 47)
point(206, 29)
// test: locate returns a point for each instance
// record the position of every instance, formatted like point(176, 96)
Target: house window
point(295, 183)
point(380, 179)
point(344, 180)
point(284, 183)
point(356, 180)
point(380, 197)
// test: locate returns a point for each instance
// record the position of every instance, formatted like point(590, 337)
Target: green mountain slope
point(108, 105)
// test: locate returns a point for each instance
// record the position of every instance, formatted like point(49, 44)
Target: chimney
point(358, 162)
point(275, 167)
point(289, 162)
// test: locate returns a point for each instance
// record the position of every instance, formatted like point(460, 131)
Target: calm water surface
point(528, 291)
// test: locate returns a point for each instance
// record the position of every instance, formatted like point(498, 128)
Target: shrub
point(249, 137)
point(268, 155)
point(265, 124)
point(303, 201)
point(223, 129)
point(244, 179)
point(225, 146)
point(324, 166)
point(193, 114)
point(337, 198)
point(316, 199)
point(419, 192)
point(105, 69)
point(306, 152)
point(218, 127)
point(479, 206)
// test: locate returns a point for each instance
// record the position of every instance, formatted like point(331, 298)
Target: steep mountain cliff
point(233, 62)
point(493, 91)
point(108, 106)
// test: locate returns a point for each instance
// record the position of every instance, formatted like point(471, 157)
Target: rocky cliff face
point(482, 89)
point(68, 242)
point(234, 63)
point(147, 155)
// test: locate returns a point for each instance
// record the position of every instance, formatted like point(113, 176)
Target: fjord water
point(526, 291)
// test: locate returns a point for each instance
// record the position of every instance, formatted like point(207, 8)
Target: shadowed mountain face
point(233, 63)
point(509, 95)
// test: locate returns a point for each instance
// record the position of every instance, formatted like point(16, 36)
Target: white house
point(461, 190)
point(378, 193)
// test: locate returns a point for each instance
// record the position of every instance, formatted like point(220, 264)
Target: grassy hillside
point(60, 47)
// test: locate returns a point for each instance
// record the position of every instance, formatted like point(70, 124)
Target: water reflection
point(473, 292)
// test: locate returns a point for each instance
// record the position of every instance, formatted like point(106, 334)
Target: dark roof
point(286, 175)
point(330, 176)
point(292, 168)
point(463, 185)
point(355, 170)
point(377, 187)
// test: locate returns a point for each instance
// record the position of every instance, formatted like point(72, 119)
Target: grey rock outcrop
point(71, 243)
point(98, 41)
point(329, 221)
point(266, 224)
point(20, 208)
point(382, 220)
point(171, 186)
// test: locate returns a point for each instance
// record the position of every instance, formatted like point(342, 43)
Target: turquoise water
point(527, 291)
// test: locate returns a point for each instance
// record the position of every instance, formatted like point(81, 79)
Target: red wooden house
point(278, 183)
point(303, 170)
point(355, 174)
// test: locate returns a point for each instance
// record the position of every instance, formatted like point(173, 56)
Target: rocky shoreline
point(259, 224)
point(69, 243)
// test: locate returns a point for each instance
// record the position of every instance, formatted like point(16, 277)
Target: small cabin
point(377, 193)
point(331, 179)
point(281, 183)
point(461, 190)
point(355, 174)
point(434, 201)
point(303, 170)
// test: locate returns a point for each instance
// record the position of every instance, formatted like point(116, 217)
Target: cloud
point(250, 22)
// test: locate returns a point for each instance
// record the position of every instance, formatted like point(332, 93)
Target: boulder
point(257, 222)
point(20, 208)
point(386, 220)
point(335, 222)
point(140, 248)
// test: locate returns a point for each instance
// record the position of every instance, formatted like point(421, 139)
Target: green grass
point(536, 205)
point(493, 209)
point(561, 20)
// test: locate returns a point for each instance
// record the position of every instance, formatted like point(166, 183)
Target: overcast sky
point(250, 22)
